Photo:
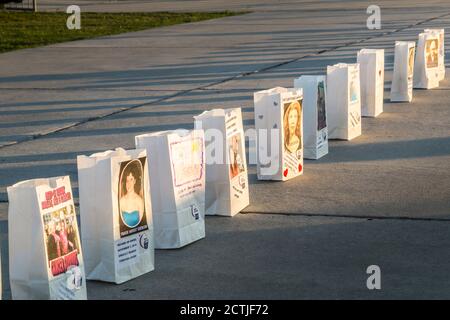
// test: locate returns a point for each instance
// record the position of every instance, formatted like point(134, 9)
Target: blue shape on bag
point(131, 219)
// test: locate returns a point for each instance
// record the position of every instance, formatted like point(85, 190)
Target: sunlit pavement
point(382, 199)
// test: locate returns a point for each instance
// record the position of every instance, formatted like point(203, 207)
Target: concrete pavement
point(306, 238)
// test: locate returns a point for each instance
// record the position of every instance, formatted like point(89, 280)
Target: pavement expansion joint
point(353, 216)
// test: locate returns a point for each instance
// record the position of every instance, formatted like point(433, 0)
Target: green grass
point(20, 30)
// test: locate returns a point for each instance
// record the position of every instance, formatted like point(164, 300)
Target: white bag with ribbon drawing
point(315, 131)
point(226, 166)
point(371, 64)
point(279, 130)
point(116, 215)
point(177, 174)
point(402, 77)
point(440, 33)
point(45, 256)
point(343, 101)
point(426, 66)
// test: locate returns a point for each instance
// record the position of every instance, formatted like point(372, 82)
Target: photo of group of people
point(432, 53)
point(131, 197)
point(292, 121)
point(61, 233)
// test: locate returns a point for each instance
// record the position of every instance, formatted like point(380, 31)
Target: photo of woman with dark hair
point(131, 200)
point(291, 125)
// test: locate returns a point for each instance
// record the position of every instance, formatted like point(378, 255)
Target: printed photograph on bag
point(62, 242)
point(236, 155)
point(411, 63)
point(187, 161)
point(432, 53)
point(354, 96)
point(132, 217)
point(292, 131)
point(321, 113)
point(441, 44)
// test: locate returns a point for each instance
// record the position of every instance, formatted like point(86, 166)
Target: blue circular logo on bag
point(195, 212)
point(143, 241)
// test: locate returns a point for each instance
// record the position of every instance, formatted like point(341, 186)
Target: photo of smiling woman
point(131, 197)
point(292, 130)
point(432, 53)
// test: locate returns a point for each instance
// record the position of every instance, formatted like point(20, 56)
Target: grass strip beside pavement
point(20, 30)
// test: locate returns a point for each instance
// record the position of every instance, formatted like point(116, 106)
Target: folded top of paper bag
point(434, 30)
point(36, 182)
point(362, 51)
point(210, 113)
point(342, 65)
point(286, 92)
point(397, 43)
point(214, 113)
point(115, 153)
point(179, 132)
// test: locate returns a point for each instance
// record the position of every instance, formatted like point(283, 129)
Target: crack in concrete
point(363, 217)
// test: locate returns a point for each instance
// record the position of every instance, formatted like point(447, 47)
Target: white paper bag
point(402, 77)
point(279, 130)
point(441, 35)
point(343, 101)
point(0, 271)
point(315, 131)
point(177, 174)
point(45, 257)
point(426, 66)
point(1, 292)
point(371, 64)
point(226, 166)
point(116, 215)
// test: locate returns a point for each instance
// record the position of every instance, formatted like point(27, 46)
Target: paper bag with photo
point(1, 292)
point(371, 64)
point(315, 129)
point(279, 130)
point(45, 256)
point(116, 215)
point(426, 66)
point(440, 33)
point(226, 166)
point(402, 77)
point(343, 101)
point(177, 174)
